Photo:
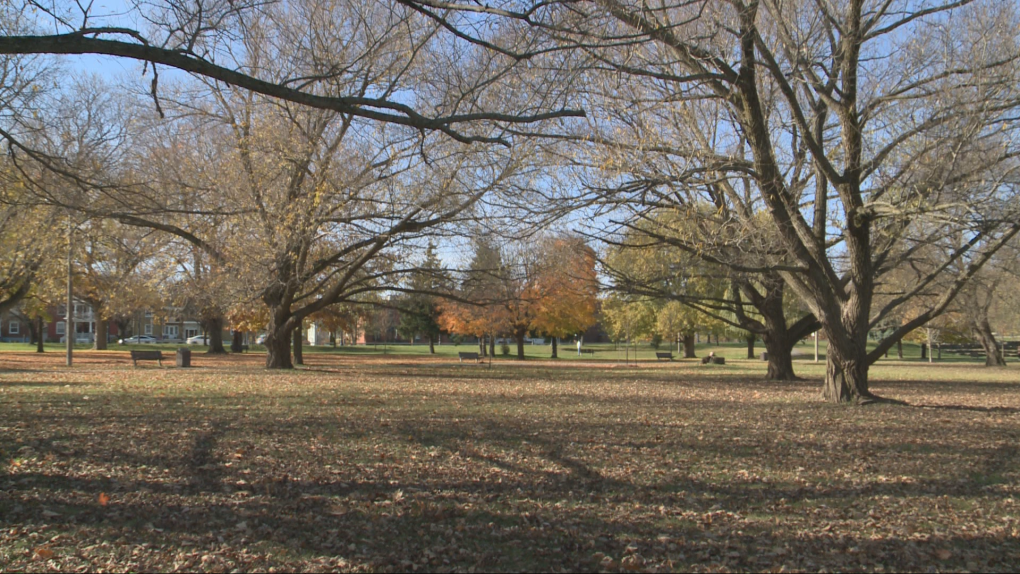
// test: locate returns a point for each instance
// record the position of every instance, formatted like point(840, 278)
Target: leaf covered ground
point(395, 464)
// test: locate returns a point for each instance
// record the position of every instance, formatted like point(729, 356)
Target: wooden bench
point(588, 352)
point(146, 356)
point(469, 356)
point(660, 355)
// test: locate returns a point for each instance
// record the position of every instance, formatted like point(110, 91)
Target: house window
point(82, 310)
point(60, 328)
point(13, 327)
point(148, 328)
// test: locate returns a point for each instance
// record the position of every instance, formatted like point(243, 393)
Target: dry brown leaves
point(387, 465)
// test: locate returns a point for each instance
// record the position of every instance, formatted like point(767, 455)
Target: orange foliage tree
point(565, 289)
point(476, 311)
point(547, 286)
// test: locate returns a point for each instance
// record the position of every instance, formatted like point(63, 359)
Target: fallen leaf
point(44, 553)
point(943, 554)
point(104, 499)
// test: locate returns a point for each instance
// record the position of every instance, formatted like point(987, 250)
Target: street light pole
point(69, 327)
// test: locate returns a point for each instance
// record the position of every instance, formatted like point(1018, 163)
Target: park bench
point(146, 356)
point(660, 355)
point(588, 352)
point(469, 356)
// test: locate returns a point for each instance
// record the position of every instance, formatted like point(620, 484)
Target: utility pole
point(816, 346)
point(69, 327)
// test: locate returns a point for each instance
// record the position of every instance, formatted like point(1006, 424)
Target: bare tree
point(215, 39)
point(309, 206)
point(837, 126)
point(988, 292)
point(653, 257)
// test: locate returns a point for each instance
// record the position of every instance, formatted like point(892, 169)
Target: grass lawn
point(383, 462)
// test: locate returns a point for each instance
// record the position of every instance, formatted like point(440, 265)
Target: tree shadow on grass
point(54, 384)
point(506, 525)
point(504, 492)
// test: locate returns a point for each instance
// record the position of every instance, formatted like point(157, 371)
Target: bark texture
point(519, 338)
point(299, 341)
point(102, 328)
point(236, 341)
point(993, 354)
point(846, 382)
point(688, 341)
point(214, 331)
point(278, 349)
point(780, 359)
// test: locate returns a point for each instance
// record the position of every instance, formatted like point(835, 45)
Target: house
point(84, 324)
point(13, 329)
point(171, 325)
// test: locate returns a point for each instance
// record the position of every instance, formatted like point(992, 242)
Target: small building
point(84, 324)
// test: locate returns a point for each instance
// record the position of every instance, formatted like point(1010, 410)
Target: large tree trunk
point(779, 350)
point(554, 349)
point(102, 330)
point(750, 345)
point(689, 347)
point(236, 341)
point(214, 333)
point(924, 351)
point(481, 346)
point(278, 351)
point(299, 339)
point(899, 349)
point(778, 337)
point(432, 344)
point(519, 337)
point(41, 340)
point(492, 346)
point(846, 374)
point(993, 355)
point(278, 340)
point(845, 383)
point(33, 333)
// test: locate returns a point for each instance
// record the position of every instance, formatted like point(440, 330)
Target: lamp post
point(69, 330)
